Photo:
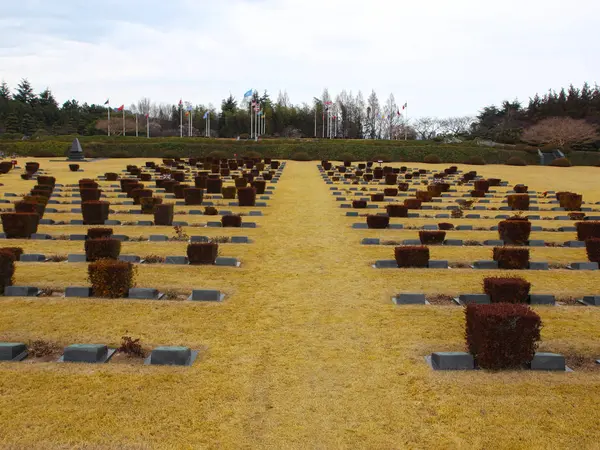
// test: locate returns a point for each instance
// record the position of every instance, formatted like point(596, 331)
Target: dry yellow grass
point(306, 352)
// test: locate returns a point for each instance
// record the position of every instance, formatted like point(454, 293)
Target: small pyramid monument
point(75, 152)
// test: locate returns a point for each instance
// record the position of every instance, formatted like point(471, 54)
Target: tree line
point(25, 113)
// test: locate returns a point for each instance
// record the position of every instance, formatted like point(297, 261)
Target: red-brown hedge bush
point(378, 222)
point(502, 335)
point(105, 248)
point(391, 179)
point(507, 289)
point(592, 248)
point(511, 258)
point(260, 186)
point(246, 196)
point(193, 196)
point(20, 225)
point(111, 176)
point(570, 201)
point(163, 214)
point(390, 192)
point(16, 251)
point(139, 194)
point(231, 220)
point(412, 256)
point(514, 232)
point(518, 202)
point(214, 185)
point(7, 268)
point(202, 252)
point(588, 229)
point(396, 210)
point(432, 237)
point(46, 180)
point(403, 187)
point(149, 203)
point(88, 195)
point(521, 189)
point(445, 226)
point(99, 233)
point(424, 196)
point(111, 278)
point(412, 203)
point(95, 212)
point(30, 207)
point(379, 197)
point(178, 190)
point(481, 185)
point(477, 194)
point(359, 204)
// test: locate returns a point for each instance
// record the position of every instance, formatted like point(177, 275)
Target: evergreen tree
point(24, 92)
point(27, 125)
point(4, 91)
point(12, 123)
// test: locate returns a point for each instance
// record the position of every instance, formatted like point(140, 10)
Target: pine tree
point(4, 91)
point(24, 92)
point(27, 125)
point(12, 123)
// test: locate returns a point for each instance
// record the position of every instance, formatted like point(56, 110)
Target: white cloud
point(444, 58)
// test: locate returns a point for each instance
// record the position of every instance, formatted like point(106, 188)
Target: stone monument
point(75, 152)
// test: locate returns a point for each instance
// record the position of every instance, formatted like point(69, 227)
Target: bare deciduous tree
point(560, 131)
point(456, 125)
point(427, 127)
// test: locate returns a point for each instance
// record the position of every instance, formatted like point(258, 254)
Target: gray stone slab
point(120, 237)
point(534, 217)
point(472, 216)
point(112, 222)
point(395, 226)
point(41, 236)
point(568, 229)
point(464, 227)
point(78, 291)
point(260, 204)
point(76, 222)
point(494, 242)
point(411, 242)
point(430, 227)
point(88, 353)
point(12, 351)
point(452, 361)
point(537, 243)
point(73, 258)
point(51, 210)
point(76, 210)
point(248, 224)
point(195, 212)
point(46, 222)
point(584, 266)
point(172, 356)
point(575, 244)
point(180, 223)
point(227, 261)
point(548, 361)
point(130, 258)
point(502, 216)
point(536, 228)
point(144, 293)
point(538, 265)
point(542, 299)
point(158, 238)
point(32, 257)
point(558, 209)
point(145, 223)
point(352, 214)
point(562, 218)
point(199, 239)
point(438, 264)
point(485, 264)
point(21, 291)
point(370, 241)
point(386, 264)
point(360, 226)
point(214, 224)
point(409, 299)
point(206, 295)
point(442, 216)
point(480, 299)
point(176, 260)
point(592, 218)
point(592, 300)
point(453, 242)
point(240, 240)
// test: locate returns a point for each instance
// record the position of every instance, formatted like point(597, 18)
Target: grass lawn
point(307, 351)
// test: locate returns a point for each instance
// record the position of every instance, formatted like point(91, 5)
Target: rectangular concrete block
point(176, 260)
point(584, 266)
point(452, 361)
point(409, 299)
point(442, 216)
point(536, 243)
point(214, 224)
point(485, 264)
point(179, 223)
point(145, 223)
point(575, 244)
point(386, 264)
point(248, 224)
point(130, 258)
point(206, 295)
point(370, 241)
point(480, 299)
point(21, 291)
point(592, 300)
point(158, 238)
point(78, 291)
point(548, 361)
point(171, 356)
point(454, 242)
point(472, 216)
point(542, 299)
point(12, 351)
point(352, 214)
point(77, 237)
point(144, 293)
point(438, 264)
point(46, 222)
point(32, 257)
point(120, 237)
point(494, 242)
point(430, 227)
point(76, 222)
point(112, 222)
point(360, 226)
point(226, 261)
point(88, 353)
point(411, 242)
point(199, 239)
point(73, 258)
point(538, 265)
point(568, 229)
point(395, 226)
point(464, 227)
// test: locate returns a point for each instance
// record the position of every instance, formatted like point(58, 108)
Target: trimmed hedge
point(521, 189)
point(246, 196)
point(16, 252)
point(379, 197)
point(202, 252)
point(94, 212)
point(163, 214)
point(214, 185)
point(105, 248)
point(396, 210)
point(518, 202)
point(588, 230)
point(20, 225)
point(193, 196)
point(359, 204)
point(445, 226)
point(592, 248)
point(231, 220)
point(99, 233)
point(514, 232)
point(148, 204)
point(432, 237)
point(7, 268)
point(412, 256)
point(570, 200)
point(511, 258)
point(507, 289)
point(412, 203)
point(378, 222)
point(111, 278)
point(502, 335)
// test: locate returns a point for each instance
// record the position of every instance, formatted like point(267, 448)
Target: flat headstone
point(21, 291)
point(538, 265)
point(575, 244)
point(144, 293)
point(352, 214)
point(542, 299)
point(437, 264)
point(472, 216)
point(430, 227)
point(240, 240)
point(73, 258)
point(370, 241)
point(120, 237)
point(158, 238)
point(32, 257)
point(176, 260)
point(46, 222)
point(360, 226)
point(464, 227)
point(214, 224)
point(112, 222)
point(584, 266)
point(51, 210)
point(130, 258)
point(88, 353)
point(172, 356)
point(226, 261)
point(567, 229)
point(179, 223)
point(536, 243)
point(199, 239)
point(453, 242)
point(76, 210)
point(480, 299)
point(502, 216)
point(409, 299)
point(452, 361)
point(548, 361)
point(78, 291)
point(411, 242)
point(386, 264)
point(562, 218)
point(592, 218)
point(145, 223)
point(206, 295)
point(494, 242)
point(76, 222)
point(195, 212)
point(592, 300)
point(248, 224)
point(12, 351)
point(534, 217)
point(485, 264)
point(442, 216)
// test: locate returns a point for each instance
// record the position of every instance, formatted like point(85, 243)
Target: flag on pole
point(189, 108)
point(146, 115)
point(248, 93)
point(106, 102)
point(405, 105)
point(180, 102)
point(187, 113)
point(398, 113)
point(121, 108)
point(205, 115)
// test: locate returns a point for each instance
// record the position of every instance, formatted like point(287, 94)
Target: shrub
point(432, 159)
point(131, 347)
point(231, 220)
point(73, 167)
point(96, 249)
point(111, 176)
point(424, 196)
point(390, 192)
point(214, 185)
point(202, 252)
point(494, 181)
point(511, 258)
point(359, 204)
point(396, 210)
point(412, 203)
point(99, 233)
point(432, 237)
point(592, 248)
point(570, 200)
point(391, 179)
point(445, 226)
point(200, 181)
point(502, 336)
point(7, 268)
point(476, 161)
point(246, 196)
point(477, 194)
point(30, 207)
point(481, 185)
point(521, 189)
point(412, 256)
point(16, 251)
point(378, 222)
point(178, 176)
point(518, 201)
point(210, 211)
point(229, 192)
point(20, 225)
point(139, 194)
point(163, 214)
point(88, 195)
point(110, 278)
point(403, 187)
point(377, 197)
point(149, 204)
point(588, 230)
point(94, 212)
point(32, 167)
point(515, 161)
point(561, 162)
point(260, 186)
point(300, 156)
point(46, 180)
point(514, 232)
point(408, 176)
point(193, 196)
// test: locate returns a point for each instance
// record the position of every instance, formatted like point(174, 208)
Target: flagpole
point(180, 119)
point(123, 121)
point(405, 120)
point(251, 119)
point(148, 126)
point(315, 120)
point(108, 109)
point(136, 125)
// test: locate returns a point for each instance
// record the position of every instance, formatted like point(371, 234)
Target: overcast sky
point(442, 57)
